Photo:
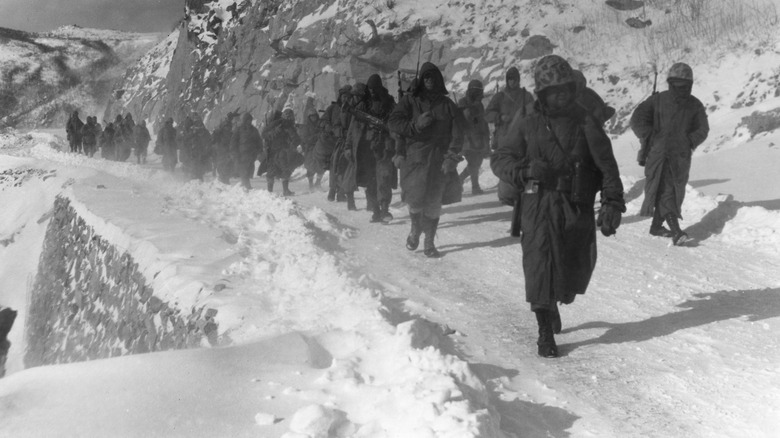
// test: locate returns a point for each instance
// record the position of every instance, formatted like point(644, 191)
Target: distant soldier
point(331, 144)
point(281, 139)
point(200, 150)
point(107, 149)
point(166, 144)
point(127, 138)
point(224, 162)
point(504, 105)
point(185, 140)
point(476, 134)
point(309, 132)
point(73, 131)
point(372, 149)
point(89, 136)
point(431, 124)
point(346, 166)
point(676, 124)
point(142, 139)
point(245, 145)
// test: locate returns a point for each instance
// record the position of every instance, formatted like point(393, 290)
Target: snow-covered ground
point(330, 327)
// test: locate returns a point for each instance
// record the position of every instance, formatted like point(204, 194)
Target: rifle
point(372, 121)
point(645, 143)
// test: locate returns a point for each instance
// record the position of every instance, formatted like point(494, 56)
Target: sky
point(133, 16)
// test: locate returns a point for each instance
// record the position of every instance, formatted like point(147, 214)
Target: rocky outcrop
point(90, 301)
point(274, 54)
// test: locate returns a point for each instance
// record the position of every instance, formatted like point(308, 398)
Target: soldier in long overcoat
point(245, 145)
point(430, 123)
point(166, 143)
point(557, 156)
point(476, 134)
point(73, 130)
point(107, 145)
point(372, 150)
point(142, 139)
point(675, 123)
point(281, 140)
point(309, 132)
point(224, 161)
point(200, 150)
point(331, 142)
point(89, 136)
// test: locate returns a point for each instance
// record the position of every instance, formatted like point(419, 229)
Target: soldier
point(166, 144)
point(245, 146)
point(73, 131)
point(127, 137)
point(476, 134)
point(185, 140)
point(556, 156)
point(200, 150)
point(504, 105)
point(89, 136)
point(107, 148)
point(309, 132)
point(676, 124)
point(142, 139)
point(331, 145)
point(430, 123)
point(281, 139)
point(221, 138)
point(372, 149)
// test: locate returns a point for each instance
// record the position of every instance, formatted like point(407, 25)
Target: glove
point(609, 217)
point(423, 121)
point(450, 164)
point(399, 161)
point(540, 171)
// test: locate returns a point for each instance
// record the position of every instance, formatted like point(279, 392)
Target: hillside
point(271, 54)
point(45, 76)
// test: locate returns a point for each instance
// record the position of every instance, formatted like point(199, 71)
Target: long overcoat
point(371, 148)
point(422, 179)
point(677, 125)
point(476, 133)
point(281, 138)
point(559, 235)
point(507, 102)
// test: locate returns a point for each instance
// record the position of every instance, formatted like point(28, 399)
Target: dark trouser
point(473, 163)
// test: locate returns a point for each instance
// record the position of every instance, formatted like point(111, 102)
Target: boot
point(286, 188)
point(270, 185)
point(546, 344)
point(657, 226)
point(351, 201)
point(413, 239)
point(476, 189)
point(376, 214)
point(332, 194)
point(385, 212)
point(678, 236)
point(341, 196)
point(429, 228)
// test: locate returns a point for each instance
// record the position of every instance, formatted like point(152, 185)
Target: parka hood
point(430, 68)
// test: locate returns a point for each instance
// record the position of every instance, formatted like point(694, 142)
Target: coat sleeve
point(458, 123)
point(600, 148)
point(401, 120)
point(700, 128)
point(493, 110)
point(642, 119)
point(509, 158)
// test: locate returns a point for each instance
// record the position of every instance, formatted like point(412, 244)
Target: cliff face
point(266, 55)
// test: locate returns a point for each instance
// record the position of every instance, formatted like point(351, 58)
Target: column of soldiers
point(116, 141)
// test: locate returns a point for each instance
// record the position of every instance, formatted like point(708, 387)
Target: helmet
point(359, 89)
point(550, 71)
point(475, 84)
point(680, 70)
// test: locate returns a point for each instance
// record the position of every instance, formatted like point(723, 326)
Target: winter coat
point(107, 146)
point(281, 140)
point(223, 159)
point(558, 234)
point(200, 151)
point(246, 144)
point(507, 103)
point(167, 145)
point(368, 146)
point(422, 179)
point(476, 133)
point(309, 133)
point(89, 134)
point(595, 105)
point(73, 128)
point(142, 139)
point(677, 126)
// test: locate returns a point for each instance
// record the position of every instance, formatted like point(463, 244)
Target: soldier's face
point(558, 97)
point(429, 82)
point(512, 83)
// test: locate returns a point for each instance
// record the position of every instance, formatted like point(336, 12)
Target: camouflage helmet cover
point(550, 71)
point(680, 70)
